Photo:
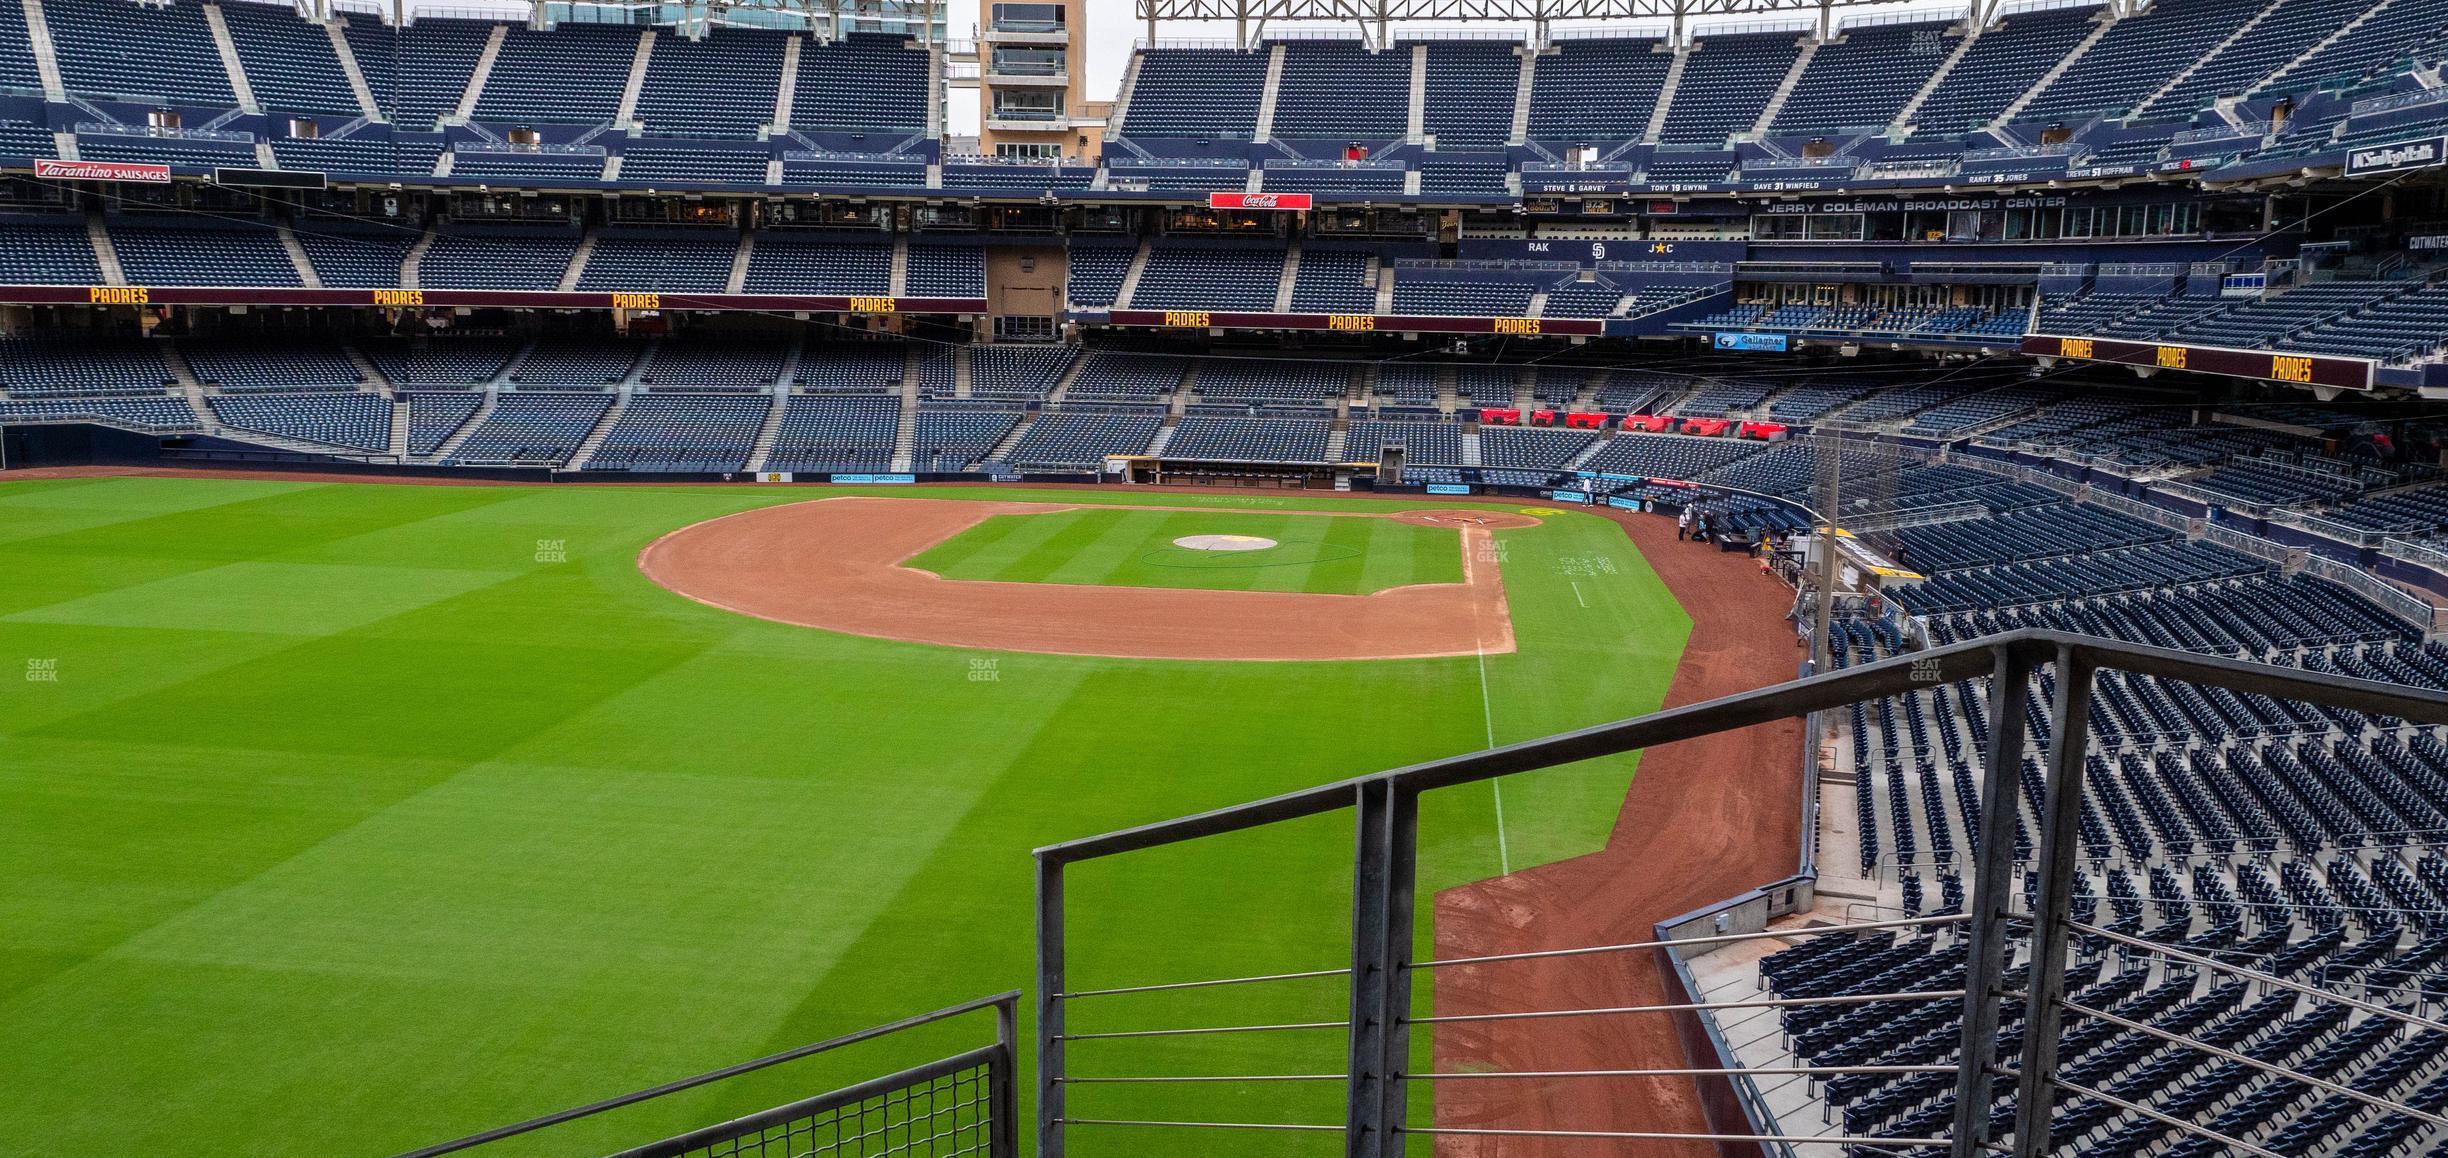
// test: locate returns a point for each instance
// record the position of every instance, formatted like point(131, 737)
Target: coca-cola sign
point(1281, 202)
point(101, 171)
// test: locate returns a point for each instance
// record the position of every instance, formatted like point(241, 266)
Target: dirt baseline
point(835, 564)
point(1705, 820)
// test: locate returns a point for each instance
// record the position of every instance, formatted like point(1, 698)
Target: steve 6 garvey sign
point(101, 171)
point(1275, 201)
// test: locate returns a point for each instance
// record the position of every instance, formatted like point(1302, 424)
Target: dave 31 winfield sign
point(1282, 202)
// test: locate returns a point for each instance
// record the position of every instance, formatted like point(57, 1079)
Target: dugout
point(1152, 470)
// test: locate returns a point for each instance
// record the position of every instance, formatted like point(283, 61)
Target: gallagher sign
point(1280, 202)
point(2402, 155)
point(101, 171)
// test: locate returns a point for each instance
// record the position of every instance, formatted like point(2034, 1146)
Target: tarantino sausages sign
point(101, 171)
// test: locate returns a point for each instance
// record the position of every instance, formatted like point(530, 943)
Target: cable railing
point(964, 1103)
point(1380, 1022)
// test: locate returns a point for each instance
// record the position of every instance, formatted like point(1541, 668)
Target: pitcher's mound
point(1224, 542)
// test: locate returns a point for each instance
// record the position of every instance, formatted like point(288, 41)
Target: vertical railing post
point(1003, 1081)
point(1992, 894)
point(2060, 842)
point(1383, 882)
point(1049, 1007)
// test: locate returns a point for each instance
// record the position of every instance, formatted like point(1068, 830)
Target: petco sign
point(101, 171)
point(2402, 155)
point(1263, 201)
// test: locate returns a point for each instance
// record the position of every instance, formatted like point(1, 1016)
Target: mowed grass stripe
point(382, 882)
point(1319, 554)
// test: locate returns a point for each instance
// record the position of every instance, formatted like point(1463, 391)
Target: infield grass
point(1313, 554)
point(337, 819)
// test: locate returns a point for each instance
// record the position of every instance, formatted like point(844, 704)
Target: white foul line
point(1487, 712)
point(1576, 584)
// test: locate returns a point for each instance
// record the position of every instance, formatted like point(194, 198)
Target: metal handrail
point(1386, 808)
point(1005, 1005)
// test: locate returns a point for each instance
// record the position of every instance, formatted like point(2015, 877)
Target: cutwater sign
point(1772, 343)
point(2402, 155)
point(875, 478)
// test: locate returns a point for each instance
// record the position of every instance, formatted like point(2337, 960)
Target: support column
point(1049, 1008)
point(1992, 893)
point(2060, 843)
point(1383, 893)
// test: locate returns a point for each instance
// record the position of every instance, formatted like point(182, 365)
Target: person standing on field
point(1683, 525)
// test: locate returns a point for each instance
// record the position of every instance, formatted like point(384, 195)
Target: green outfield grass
point(337, 819)
point(1313, 554)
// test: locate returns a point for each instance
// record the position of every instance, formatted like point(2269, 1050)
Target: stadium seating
point(288, 365)
point(1209, 278)
point(785, 263)
point(1597, 89)
point(2002, 63)
point(418, 73)
point(682, 433)
point(951, 437)
point(37, 252)
point(289, 63)
point(1726, 82)
point(1469, 91)
point(1195, 92)
point(1249, 439)
point(453, 362)
point(1342, 91)
point(864, 83)
point(720, 86)
point(835, 432)
point(1080, 440)
point(572, 74)
point(851, 368)
point(668, 263)
point(715, 363)
point(532, 429)
point(1860, 81)
point(345, 256)
point(574, 363)
point(490, 259)
point(113, 49)
point(947, 271)
point(156, 413)
point(180, 255)
point(434, 417)
point(32, 366)
point(1116, 377)
point(353, 420)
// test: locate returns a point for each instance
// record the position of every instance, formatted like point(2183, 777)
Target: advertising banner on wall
point(2418, 154)
point(101, 171)
point(1282, 202)
point(1770, 343)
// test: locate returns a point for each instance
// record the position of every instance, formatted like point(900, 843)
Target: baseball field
point(339, 818)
